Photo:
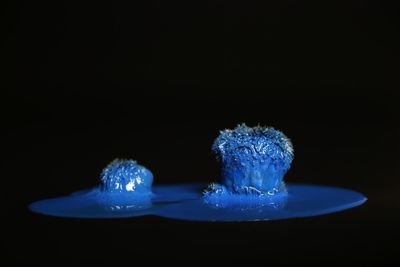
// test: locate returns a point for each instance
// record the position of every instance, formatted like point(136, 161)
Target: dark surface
point(155, 81)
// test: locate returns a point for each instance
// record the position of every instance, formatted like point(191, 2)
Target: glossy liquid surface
point(185, 202)
point(302, 201)
point(92, 203)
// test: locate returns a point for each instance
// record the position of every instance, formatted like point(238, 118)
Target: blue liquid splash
point(125, 185)
point(253, 163)
point(125, 190)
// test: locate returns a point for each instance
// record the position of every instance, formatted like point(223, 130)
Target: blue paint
point(89, 205)
point(219, 196)
point(126, 176)
point(125, 190)
point(253, 163)
point(251, 188)
point(85, 204)
point(185, 202)
point(124, 185)
point(301, 201)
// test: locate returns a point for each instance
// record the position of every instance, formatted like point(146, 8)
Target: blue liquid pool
point(301, 201)
point(186, 202)
point(89, 203)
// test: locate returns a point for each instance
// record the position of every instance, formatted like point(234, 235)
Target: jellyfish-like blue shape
point(253, 163)
point(125, 184)
point(126, 176)
point(125, 190)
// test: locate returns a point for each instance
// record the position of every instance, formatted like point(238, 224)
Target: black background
point(155, 81)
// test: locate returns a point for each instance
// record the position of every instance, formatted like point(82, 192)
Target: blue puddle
point(89, 204)
point(185, 202)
